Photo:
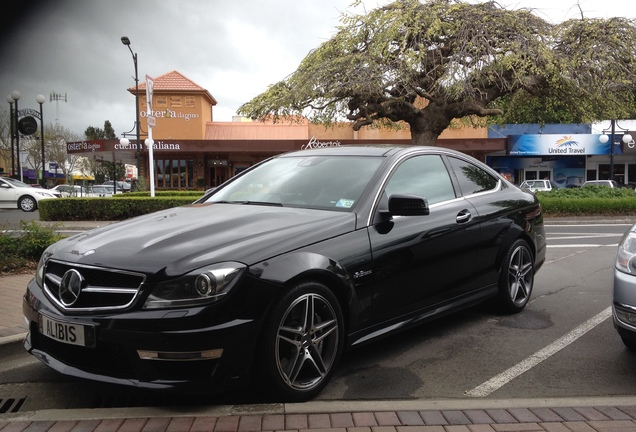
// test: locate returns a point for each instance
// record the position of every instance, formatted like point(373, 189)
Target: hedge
point(588, 201)
point(107, 208)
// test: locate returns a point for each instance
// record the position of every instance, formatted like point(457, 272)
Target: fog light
point(180, 356)
point(626, 317)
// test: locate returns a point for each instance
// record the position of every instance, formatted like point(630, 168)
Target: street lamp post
point(41, 99)
point(11, 129)
point(627, 138)
point(15, 95)
point(126, 41)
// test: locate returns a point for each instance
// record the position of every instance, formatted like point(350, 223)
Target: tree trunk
point(428, 125)
point(424, 138)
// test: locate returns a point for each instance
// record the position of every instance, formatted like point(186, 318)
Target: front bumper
point(195, 349)
point(624, 305)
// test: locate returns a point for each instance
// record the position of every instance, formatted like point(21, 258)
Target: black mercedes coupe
point(276, 272)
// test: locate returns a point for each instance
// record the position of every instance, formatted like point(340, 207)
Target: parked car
point(538, 185)
point(606, 183)
point(282, 267)
point(67, 190)
point(16, 194)
point(102, 191)
point(624, 290)
point(121, 185)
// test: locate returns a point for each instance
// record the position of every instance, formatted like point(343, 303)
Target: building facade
point(193, 151)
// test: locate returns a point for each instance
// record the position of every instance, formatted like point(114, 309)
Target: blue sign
point(557, 145)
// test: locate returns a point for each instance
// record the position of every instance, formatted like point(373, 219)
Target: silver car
point(539, 185)
point(624, 293)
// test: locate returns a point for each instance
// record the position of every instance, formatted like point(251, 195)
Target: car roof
point(368, 150)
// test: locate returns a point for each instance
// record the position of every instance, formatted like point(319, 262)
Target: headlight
point(45, 194)
point(625, 257)
point(39, 271)
point(203, 286)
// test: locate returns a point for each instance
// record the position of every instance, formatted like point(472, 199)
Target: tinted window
point(328, 182)
point(472, 179)
point(424, 176)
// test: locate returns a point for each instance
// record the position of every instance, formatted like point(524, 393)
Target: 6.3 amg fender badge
point(70, 287)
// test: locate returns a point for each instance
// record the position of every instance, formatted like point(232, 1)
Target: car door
point(494, 205)
point(8, 196)
point(422, 261)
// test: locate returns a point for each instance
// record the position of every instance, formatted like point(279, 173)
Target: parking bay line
point(505, 377)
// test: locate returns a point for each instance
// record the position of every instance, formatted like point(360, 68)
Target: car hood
point(182, 239)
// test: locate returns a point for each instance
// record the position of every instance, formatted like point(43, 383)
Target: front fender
point(285, 269)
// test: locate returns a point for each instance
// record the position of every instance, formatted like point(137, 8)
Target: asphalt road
point(562, 345)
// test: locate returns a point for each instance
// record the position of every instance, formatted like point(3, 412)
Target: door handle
point(463, 216)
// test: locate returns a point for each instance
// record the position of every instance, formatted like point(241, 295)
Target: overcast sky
point(234, 49)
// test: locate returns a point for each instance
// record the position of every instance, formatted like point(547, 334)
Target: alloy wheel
point(307, 342)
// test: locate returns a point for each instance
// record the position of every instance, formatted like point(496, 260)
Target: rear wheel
point(516, 278)
point(302, 342)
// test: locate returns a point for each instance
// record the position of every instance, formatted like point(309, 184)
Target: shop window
point(631, 174)
point(174, 173)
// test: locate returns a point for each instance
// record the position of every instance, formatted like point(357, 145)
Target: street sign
point(150, 84)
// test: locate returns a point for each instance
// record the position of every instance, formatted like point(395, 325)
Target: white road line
point(549, 246)
point(505, 377)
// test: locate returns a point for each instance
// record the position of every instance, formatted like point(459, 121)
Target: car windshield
point(16, 183)
point(326, 182)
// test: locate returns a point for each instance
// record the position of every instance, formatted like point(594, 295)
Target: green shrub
point(588, 201)
point(24, 250)
point(108, 209)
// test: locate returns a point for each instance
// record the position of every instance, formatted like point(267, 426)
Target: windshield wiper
point(263, 203)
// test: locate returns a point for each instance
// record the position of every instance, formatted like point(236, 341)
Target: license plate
point(66, 332)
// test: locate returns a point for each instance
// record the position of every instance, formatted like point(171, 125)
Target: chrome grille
point(102, 288)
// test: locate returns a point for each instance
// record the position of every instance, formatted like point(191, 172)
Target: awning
point(82, 177)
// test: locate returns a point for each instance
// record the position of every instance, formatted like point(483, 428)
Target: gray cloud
point(234, 49)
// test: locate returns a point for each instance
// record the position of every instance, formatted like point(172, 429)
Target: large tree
point(427, 64)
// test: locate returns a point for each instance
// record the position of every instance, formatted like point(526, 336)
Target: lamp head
point(15, 95)
point(40, 99)
point(125, 40)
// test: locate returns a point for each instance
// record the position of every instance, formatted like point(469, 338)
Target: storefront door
point(218, 174)
point(538, 175)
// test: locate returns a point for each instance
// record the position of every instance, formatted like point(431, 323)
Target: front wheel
point(302, 342)
point(516, 278)
point(27, 204)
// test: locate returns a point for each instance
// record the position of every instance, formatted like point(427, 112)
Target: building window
point(174, 173)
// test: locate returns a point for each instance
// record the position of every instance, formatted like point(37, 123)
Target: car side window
point(424, 176)
point(472, 179)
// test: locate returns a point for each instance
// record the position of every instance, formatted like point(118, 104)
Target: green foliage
point(588, 201)
point(117, 207)
point(93, 133)
point(20, 251)
point(429, 63)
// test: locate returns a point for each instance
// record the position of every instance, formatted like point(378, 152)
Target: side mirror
point(407, 205)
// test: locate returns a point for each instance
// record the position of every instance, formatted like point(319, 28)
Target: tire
point(302, 343)
point(27, 203)
point(516, 278)
point(629, 344)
